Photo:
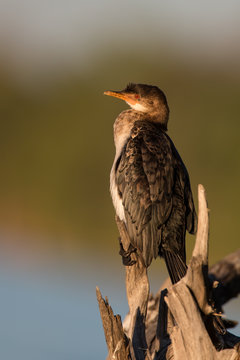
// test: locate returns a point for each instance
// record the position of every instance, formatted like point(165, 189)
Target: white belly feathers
point(117, 201)
point(122, 131)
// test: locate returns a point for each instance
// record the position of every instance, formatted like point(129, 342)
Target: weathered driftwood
point(227, 273)
point(117, 341)
point(181, 321)
point(137, 289)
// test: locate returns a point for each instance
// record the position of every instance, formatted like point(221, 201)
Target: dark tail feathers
point(176, 266)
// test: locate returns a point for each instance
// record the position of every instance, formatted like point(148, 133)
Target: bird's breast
point(116, 199)
point(122, 132)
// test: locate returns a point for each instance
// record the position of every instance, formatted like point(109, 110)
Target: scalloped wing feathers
point(155, 190)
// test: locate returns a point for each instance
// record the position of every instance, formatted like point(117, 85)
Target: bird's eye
point(137, 97)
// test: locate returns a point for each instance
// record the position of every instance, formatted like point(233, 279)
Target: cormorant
point(149, 183)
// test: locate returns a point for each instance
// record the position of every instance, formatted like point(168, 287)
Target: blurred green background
point(56, 60)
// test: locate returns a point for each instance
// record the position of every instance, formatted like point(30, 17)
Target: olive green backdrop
point(57, 149)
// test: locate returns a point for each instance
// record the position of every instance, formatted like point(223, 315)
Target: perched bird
point(149, 183)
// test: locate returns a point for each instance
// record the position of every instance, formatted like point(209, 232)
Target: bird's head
point(147, 99)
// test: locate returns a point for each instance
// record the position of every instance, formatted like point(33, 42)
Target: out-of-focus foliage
point(56, 148)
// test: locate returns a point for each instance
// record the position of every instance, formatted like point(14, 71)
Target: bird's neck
point(160, 117)
point(123, 126)
point(125, 122)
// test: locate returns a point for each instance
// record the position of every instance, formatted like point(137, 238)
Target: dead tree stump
point(183, 321)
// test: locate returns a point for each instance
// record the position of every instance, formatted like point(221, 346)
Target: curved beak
point(129, 98)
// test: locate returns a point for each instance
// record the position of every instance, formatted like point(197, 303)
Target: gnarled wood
point(137, 288)
point(182, 320)
point(117, 342)
point(227, 273)
point(201, 244)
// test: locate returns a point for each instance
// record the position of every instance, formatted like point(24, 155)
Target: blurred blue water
point(51, 316)
point(54, 315)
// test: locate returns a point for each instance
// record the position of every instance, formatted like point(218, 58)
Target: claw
point(126, 255)
point(217, 314)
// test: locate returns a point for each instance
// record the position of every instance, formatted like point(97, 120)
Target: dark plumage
point(149, 183)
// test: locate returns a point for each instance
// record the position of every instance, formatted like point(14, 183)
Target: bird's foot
point(126, 254)
point(216, 330)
